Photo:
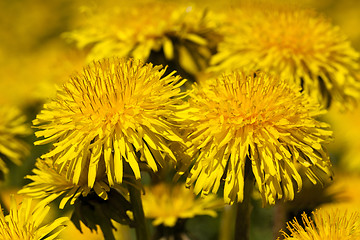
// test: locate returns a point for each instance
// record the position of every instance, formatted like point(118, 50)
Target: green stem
point(244, 208)
point(141, 229)
point(227, 224)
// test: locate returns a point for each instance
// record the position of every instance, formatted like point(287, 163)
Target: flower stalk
point(141, 229)
point(244, 208)
point(227, 226)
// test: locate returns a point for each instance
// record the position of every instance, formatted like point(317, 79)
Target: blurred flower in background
point(13, 130)
point(345, 191)
point(168, 203)
point(30, 79)
point(344, 13)
point(71, 232)
point(171, 205)
point(300, 45)
point(33, 57)
point(346, 145)
point(179, 30)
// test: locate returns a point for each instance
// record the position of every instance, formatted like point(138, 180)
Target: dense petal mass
point(332, 224)
point(297, 44)
point(12, 128)
point(26, 223)
point(261, 118)
point(116, 113)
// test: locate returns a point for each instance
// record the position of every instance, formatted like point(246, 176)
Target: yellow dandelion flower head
point(299, 45)
point(167, 203)
point(332, 224)
point(134, 29)
point(115, 112)
point(12, 129)
point(49, 182)
point(258, 117)
point(26, 223)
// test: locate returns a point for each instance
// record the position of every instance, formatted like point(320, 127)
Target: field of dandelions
point(176, 120)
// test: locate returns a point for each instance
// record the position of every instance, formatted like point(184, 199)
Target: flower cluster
point(227, 102)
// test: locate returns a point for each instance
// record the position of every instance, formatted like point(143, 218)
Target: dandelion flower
point(181, 31)
point(297, 44)
point(259, 118)
point(168, 203)
point(116, 113)
point(26, 223)
point(12, 128)
point(331, 224)
point(50, 183)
